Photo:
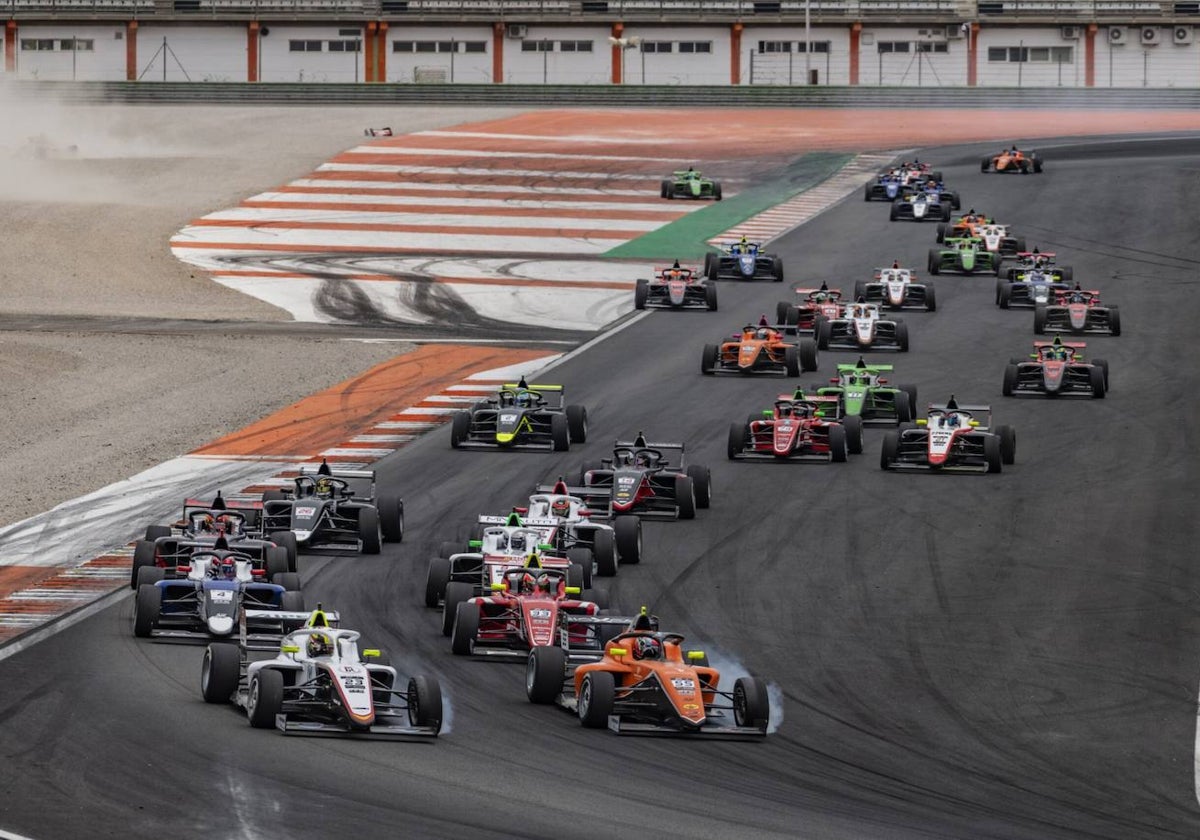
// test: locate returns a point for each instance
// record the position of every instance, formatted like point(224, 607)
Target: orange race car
point(1012, 160)
point(646, 683)
point(759, 349)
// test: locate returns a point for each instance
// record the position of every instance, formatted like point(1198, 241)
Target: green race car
point(863, 392)
point(964, 255)
point(688, 183)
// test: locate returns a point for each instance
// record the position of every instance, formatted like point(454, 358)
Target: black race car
point(520, 416)
point(641, 478)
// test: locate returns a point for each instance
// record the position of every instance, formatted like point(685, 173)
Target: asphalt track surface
point(1002, 656)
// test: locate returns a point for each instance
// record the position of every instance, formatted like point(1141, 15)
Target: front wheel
point(854, 433)
point(466, 627)
point(425, 702)
point(702, 484)
point(560, 432)
point(544, 672)
point(837, 443)
point(220, 672)
point(641, 292)
point(708, 358)
point(751, 703)
point(460, 427)
point(436, 580)
point(369, 531)
point(685, 497)
point(577, 423)
point(1008, 444)
point(628, 532)
point(266, 698)
point(596, 698)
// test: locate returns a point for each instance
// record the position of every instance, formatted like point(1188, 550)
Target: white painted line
point(542, 138)
point(407, 424)
point(449, 398)
point(478, 172)
point(381, 438)
point(550, 224)
point(373, 454)
point(476, 153)
point(310, 183)
point(245, 239)
point(584, 207)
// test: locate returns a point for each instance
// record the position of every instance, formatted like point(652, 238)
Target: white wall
point(206, 53)
point(912, 68)
point(106, 61)
point(833, 67)
point(676, 68)
point(277, 63)
point(1134, 64)
point(1031, 73)
point(466, 68)
point(560, 67)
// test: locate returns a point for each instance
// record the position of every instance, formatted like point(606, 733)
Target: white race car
point(896, 288)
point(862, 328)
point(952, 438)
point(319, 684)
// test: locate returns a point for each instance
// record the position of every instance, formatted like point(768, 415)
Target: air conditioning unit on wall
point(1181, 35)
point(1150, 35)
point(1116, 35)
point(1070, 33)
point(957, 30)
point(516, 30)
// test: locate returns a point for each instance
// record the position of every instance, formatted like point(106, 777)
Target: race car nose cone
point(221, 624)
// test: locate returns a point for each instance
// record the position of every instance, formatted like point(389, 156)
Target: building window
point(37, 44)
point(997, 53)
point(657, 46)
point(1062, 55)
point(774, 46)
point(537, 46)
point(304, 46)
point(345, 46)
point(933, 47)
point(817, 46)
point(695, 47)
point(893, 46)
point(575, 46)
point(481, 46)
point(1018, 53)
point(80, 44)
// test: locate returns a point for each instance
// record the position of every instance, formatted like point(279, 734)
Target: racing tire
point(425, 702)
point(1096, 377)
point(369, 531)
point(220, 673)
point(714, 271)
point(460, 427)
point(902, 336)
point(991, 453)
point(947, 210)
point(450, 548)
point(664, 189)
point(860, 289)
point(904, 404)
point(627, 532)
point(985, 164)
point(791, 361)
point(1010, 380)
point(889, 450)
point(588, 466)
point(894, 213)
point(457, 591)
point(1037, 162)
point(685, 497)
point(941, 234)
point(670, 196)
point(144, 552)
point(751, 703)
point(577, 423)
point(822, 331)
point(265, 699)
point(545, 670)
point(933, 264)
point(604, 550)
point(997, 262)
point(585, 559)
point(717, 190)
point(709, 257)
point(154, 532)
point(838, 447)
point(275, 562)
point(1021, 244)
point(1039, 319)
point(777, 269)
point(146, 609)
point(807, 350)
point(854, 433)
point(710, 296)
point(708, 359)
point(1103, 365)
point(1003, 294)
point(701, 477)
point(866, 192)
point(956, 201)
point(466, 628)
point(641, 292)
point(1068, 274)
point(599, 597)
point(596, 697)
point(290, 581)
point(560, 432)
point(274, 496)
point(738, 433)
point(292, 601)
point(791, 315)
point(150, 575)
point(436, 580)
point(391, 518)
point(1007, 436)
point(930, 298)
point(287, 541)
point(1114, 321)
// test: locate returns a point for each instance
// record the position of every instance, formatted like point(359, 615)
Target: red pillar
point(381, 53)
point(10, 46)
point(617, 50)
point(973, 55)
point(252, 51)
point(131, 51)
point(855, 33)
point(369, 52)
point(497, 53)
point(735, 54)
point(1089, 56)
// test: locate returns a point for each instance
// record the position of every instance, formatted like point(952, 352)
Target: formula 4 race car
point(952, 438)
point(743, 261)
point(759, 349)
point(1012, 160)
point(1038, 261)
point(643, 479)
point(798, 428)
point(646, 683)
point(335, 510)
point(575, 525)
point(204, 601)
point(1056, 369)
point(801, 316)
point(320, 684)
point(964, 255)
point(896, 288)
point(1077, 311)
point(529, 608)
point(675, 288)
point(520, 416)
point(862, 327)
point(921, 206)
point(688, 183)
point(202, 524)
point(861, 391)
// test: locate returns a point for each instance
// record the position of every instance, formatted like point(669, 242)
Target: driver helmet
point(524, 399)
point(205, 522)
point(324, 487)
point(318, 645)
point(647, 647)
point(527, 584)
point(952, 420)
point(518, 543)
point(560, 507)
point(642, 459)
point(228, 569)
point(544, 583)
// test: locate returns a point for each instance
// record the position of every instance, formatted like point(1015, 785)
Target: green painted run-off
point(686, 238)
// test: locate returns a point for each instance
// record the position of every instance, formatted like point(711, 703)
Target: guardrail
point(615, 95)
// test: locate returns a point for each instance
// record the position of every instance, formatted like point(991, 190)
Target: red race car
point(1077, 311)
point(798, 428)
point(801, 315)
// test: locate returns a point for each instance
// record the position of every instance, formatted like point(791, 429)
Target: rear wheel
point(369, 531)
point(577, 423)
point(854, 433)
point(701, 483)
point(837, 443)
point(150, 575)
point(220, 672)
point(781, 312)
point(596, 696)
point(290, 581)
point(599, 597)
point(640, 293)
point(560, 432)
point(941, 233)
point(665, 189)
point(154, 532)
point(628, 533)
point(146, 610)
point(1039, 319)
point(275, 562)
point(791, 361)
point(717, 190)
point(588, 466)
point(143, 556)
point(287, 541)
point(456, 593)
point(586, 561)
point(934, 262)
point(466, 626)
point(1008, 444)
point(777, 269)
point(751, 704)
point(904, 406)
point(708, 358)
point(1103, 365)
point(685, 497)
point(436, 580)
point(266, 698)
point(807, 349)
point(1003, 294)
point(985, 164)
point(292, 601)
point(425, 702)
point(604, 550)
point(460, 426)
point(544, 672)
point(860, 289)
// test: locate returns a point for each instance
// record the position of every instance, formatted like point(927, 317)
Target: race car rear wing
point(597, 499)
point(338, 473)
